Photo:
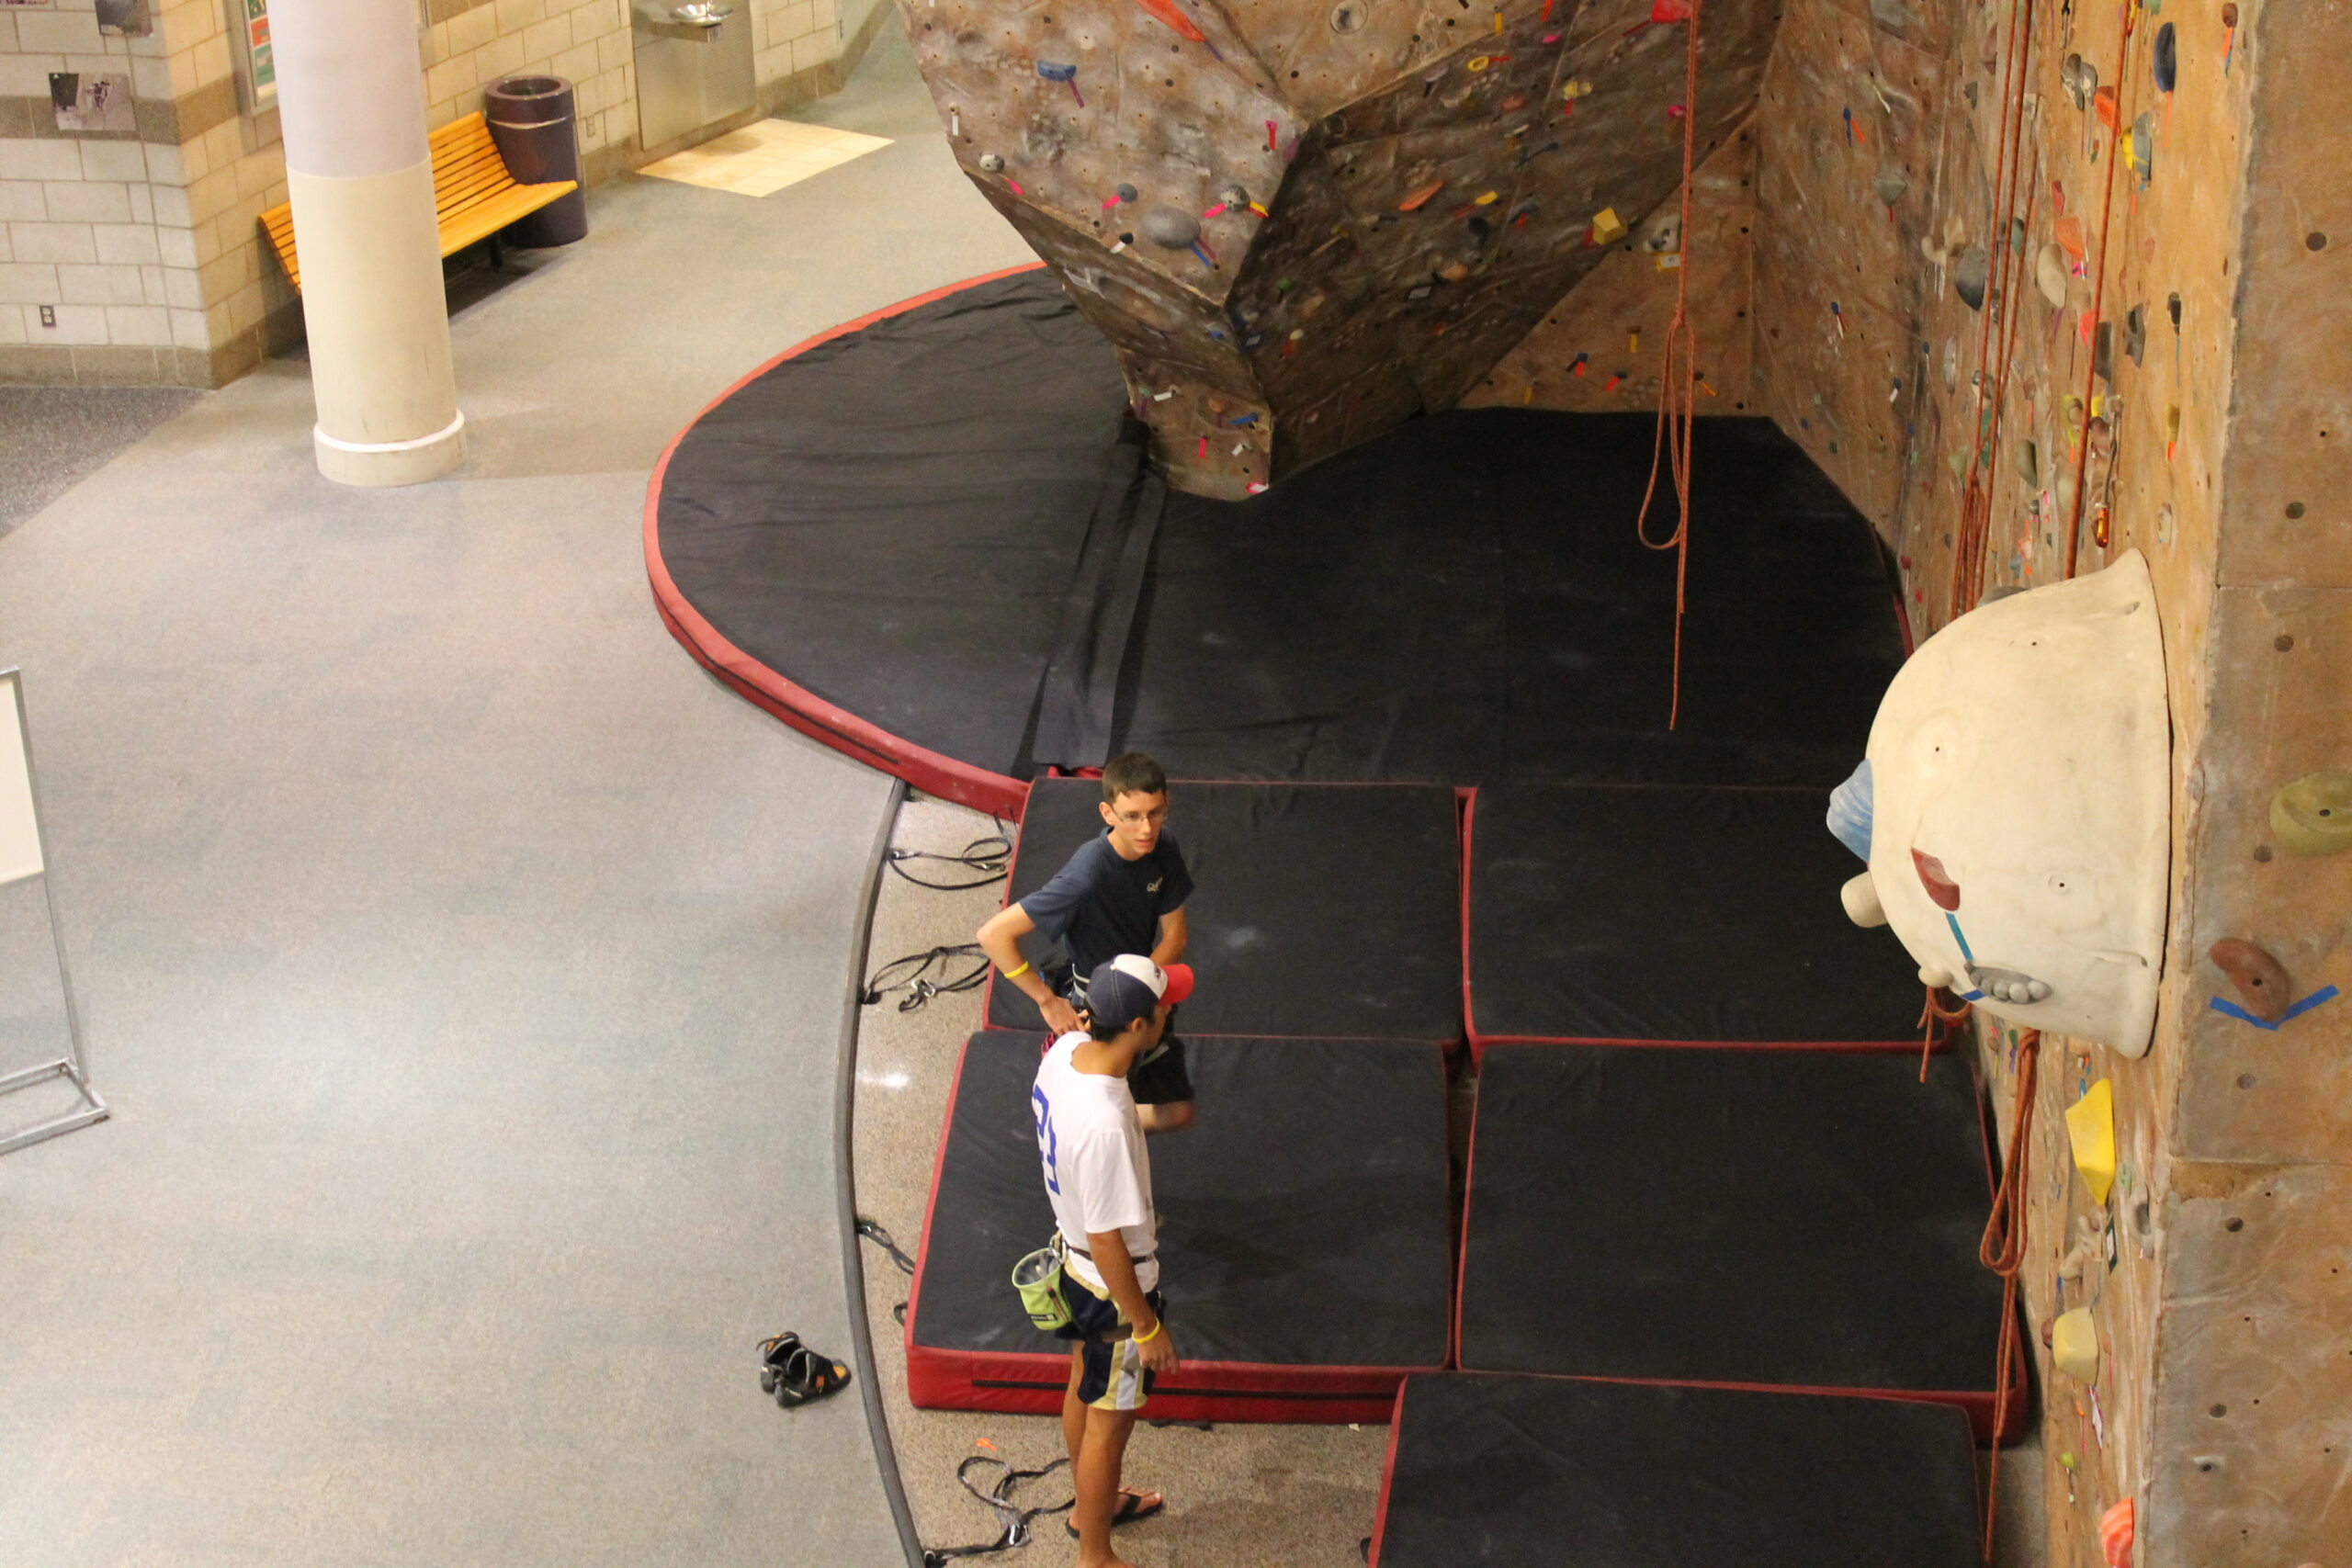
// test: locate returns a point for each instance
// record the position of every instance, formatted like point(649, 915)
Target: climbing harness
point(998, 1498)
point(916, 980)
point(1677, 398)
point(991, 855)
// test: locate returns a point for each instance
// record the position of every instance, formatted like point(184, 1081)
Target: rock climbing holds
point(1607, 227)
point(1170, 228)
point(1066, 74)
point(2074, 1345)
point(1349, 16)
point(1418, 199)
point(2261, 979)
point(2090, 1135)
point(1970, 275)
point(1167, 14)
point(2165, 59)
point(991, 164)
point(1890, 185)
point(2312, 815)
point(2115, 1535)
point(2080, 78)
point(2050, 275)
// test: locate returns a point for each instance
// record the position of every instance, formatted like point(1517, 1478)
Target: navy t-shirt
point(1100, 906)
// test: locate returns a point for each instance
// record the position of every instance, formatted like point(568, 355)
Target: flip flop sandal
point(1131, 1509)
point(796, 1375)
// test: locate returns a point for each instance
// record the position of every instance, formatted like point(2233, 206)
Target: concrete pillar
point(351, 96)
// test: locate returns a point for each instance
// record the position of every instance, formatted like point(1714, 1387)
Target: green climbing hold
point(2312, 815)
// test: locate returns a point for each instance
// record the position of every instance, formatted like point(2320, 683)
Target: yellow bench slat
point(474, 194)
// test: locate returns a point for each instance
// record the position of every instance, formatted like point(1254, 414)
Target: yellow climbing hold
point(1488, 199)
point(2074, 1345)
point(2090, 1129)
point(1607, 227)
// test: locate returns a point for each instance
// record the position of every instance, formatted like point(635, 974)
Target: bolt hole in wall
point(694, 66)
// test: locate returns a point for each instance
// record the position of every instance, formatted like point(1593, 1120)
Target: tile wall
point(145, 246)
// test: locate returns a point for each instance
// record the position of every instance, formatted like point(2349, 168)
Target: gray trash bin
point(531, 120)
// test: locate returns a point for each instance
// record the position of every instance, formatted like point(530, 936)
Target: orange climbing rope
point(1931, 1014)
point(2002, 1251)
point(1677, 398)
point(1977, 497)
point(2131, 11)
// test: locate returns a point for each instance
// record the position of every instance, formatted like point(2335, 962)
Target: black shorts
point(1112, 1375)
point(1160, 1078)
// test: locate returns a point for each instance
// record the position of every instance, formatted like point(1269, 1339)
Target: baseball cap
point(1128, 988)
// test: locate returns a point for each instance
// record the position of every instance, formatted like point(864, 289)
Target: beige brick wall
point(156, 250)
point(99, 280)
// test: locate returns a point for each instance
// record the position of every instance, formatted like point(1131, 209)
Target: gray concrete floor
point(52, 437)
point(465, 968)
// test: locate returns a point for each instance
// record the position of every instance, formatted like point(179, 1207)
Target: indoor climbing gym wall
point(1601, 348)
point(2046, 285)
point(1304, 222)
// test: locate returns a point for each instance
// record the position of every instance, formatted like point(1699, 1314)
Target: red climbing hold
point(1665, 11)
point(1165, 11)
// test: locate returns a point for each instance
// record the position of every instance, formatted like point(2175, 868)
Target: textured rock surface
point(1303, 221)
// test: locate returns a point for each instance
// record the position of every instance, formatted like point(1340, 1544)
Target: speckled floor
point(51, 438)
point(1238, 1495)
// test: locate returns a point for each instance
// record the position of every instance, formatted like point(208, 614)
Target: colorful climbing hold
point(2312, 815)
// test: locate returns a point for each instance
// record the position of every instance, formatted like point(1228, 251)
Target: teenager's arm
point(1000, 939)
point(1173, 938)
point(1110, 1252)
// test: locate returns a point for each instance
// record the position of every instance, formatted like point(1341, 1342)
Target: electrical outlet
point(49, 315)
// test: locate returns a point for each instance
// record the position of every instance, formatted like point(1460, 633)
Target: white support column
point(351, 96)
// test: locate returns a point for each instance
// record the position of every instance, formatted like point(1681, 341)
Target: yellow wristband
point(1016, 973)
point(1156, 1327)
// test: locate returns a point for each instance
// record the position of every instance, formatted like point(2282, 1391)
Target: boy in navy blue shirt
point(1124, 891)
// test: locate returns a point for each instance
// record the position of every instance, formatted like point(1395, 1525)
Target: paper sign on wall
point(19, 833)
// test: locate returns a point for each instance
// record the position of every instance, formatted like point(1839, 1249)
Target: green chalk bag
point(1038, 1278)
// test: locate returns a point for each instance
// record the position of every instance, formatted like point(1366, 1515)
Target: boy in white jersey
point(1098, 1178)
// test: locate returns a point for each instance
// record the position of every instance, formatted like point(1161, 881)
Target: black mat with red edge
point(1305, 1238)
point(1317, 909)
point(1671, 914)
point(1521, 1472)
point(1798, 1219)
point(900, 521)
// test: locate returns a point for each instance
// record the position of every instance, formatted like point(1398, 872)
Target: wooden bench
point(473, 196)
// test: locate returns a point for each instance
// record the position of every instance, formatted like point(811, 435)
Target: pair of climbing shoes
point(795, 1375)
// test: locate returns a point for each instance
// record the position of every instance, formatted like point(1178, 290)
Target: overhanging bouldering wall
point(1302, 221)
point(2036, 284)
point(1600, 349)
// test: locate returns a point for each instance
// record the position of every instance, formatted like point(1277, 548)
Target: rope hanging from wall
point(2130, 11)
point(1976, 498)
point(1678, 377)
point(2002, 1251)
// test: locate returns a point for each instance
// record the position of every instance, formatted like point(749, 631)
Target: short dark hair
point(1133, 774)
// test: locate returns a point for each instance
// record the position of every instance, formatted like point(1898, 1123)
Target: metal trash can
point(532, 122)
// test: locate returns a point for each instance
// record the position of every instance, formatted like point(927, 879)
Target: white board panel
point(19, 830)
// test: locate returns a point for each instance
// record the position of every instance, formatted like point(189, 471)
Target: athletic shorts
point(1111, 1370)
point(1160, 1078)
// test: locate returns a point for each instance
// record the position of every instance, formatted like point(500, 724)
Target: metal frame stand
point(72, 1067)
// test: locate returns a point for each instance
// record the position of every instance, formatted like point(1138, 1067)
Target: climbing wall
point(2075, 274)
point(1302, 221)
point(1600, 349)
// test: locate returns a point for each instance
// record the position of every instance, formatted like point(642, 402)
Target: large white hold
point(2020, 835)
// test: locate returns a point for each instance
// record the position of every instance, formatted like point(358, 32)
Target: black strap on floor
point(912, 976)
point(998, 1498)
point(1077, 693)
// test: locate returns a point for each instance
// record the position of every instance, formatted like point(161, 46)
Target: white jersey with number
point(1098, 1173)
